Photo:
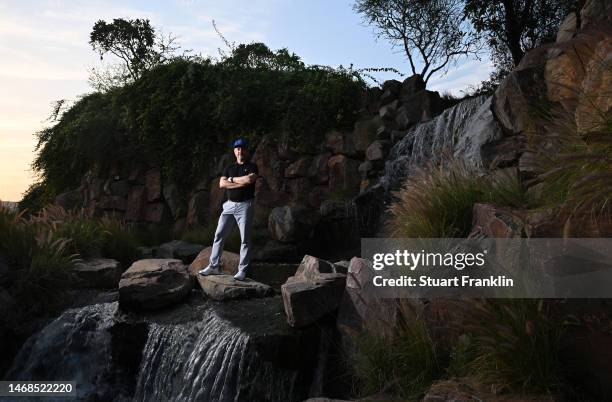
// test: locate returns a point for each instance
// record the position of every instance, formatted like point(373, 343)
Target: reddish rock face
point(137, 198)
point(364, 133)
point(270, 166)
point(157, 212)
point(216, 197)
point(153, 184)
point(340, 142)
point(343, 175)
point(496, 222)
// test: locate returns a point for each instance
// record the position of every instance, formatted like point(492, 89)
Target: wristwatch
point(230, 179)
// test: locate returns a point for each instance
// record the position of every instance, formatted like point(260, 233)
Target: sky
point(45, 55)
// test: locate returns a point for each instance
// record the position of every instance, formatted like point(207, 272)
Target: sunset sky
point(45, 55)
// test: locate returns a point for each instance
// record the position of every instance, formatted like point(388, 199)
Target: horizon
point(46, 55)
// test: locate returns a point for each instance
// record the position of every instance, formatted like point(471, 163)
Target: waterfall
point(208, 361)
point(459, 131)
point(114, 358)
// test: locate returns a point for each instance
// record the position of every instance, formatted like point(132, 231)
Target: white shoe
point(240, 276)
point(209, 271)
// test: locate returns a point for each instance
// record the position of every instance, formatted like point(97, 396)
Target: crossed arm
point(240, 181)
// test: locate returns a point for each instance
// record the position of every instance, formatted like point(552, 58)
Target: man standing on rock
point(239, 181)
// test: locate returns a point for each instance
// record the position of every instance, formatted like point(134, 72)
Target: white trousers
point(242, 213)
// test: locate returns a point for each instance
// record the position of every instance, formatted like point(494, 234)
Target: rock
point(112, 203)
point(154, 283)
point(299, 189)
point(370, 206)
point(318, 169)
point(216, 197)
point(358, 304)
point(373, 99)
point(173, 200)
point(98, 273)
point(340, 142)
point(225, 160)
point(223, 287)
point(503, 152)
point(229, 262)
point(595, 11)
point(366, 169)
point(311, 268)
point(383, 133)
point(377, 150)
point(308, 301)
point(298, 168)
point(197, 210)
point(270, 166)
point(70, 199)
point(137, 174)
point(291, 223)
point(364, 133)
point(343, 175)
point(568, 28)
point(594, 100)
point(136, 203)
point(390, 91)
point(420, 107)
point(266, 197)
point(317, 196)
point(411, 86)
point(182, 250)
point(387, 112)
point(515, 95)
point(467, 389)
point(495, 222)
point(285, 152)
point(157, 212)
point(153, 184)
point(119, 188)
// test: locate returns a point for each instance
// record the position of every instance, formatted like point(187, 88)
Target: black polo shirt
point(236, 170)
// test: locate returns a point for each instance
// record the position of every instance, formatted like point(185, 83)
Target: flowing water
point(459, 131)
point(111, 359)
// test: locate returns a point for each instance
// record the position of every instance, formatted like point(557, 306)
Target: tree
point(135, 43)
point(434, 32)
point(512, 27)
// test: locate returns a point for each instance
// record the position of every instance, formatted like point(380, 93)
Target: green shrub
point(397, 358)
point(40, 264)
point(119, 241)
point(513, 344)
point(437, 202)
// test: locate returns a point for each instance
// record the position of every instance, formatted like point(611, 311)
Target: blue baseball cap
point(240, 143)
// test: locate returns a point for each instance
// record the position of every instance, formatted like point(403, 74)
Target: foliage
point(398, 358)
point(183, 113)
point(39, 263)
point(574, 168)
point(119, 241)
point(434, 32)
point(437, 201)
point(135, 43)
point(513, 344)
point(35, 198)
point(513, 27)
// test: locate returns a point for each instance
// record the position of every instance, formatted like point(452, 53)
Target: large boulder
point(365, 132)
point(308, 301)
point(291, 223)
point(495, 222)
point(98, 273)
point(298, 168)
point(157, 212)
point(411, 86)
point(229, 261)
point(313, 292)
point(421, 106)
point(223, 287)
point(154, 283)
point(318, 170)
point(340, 142)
